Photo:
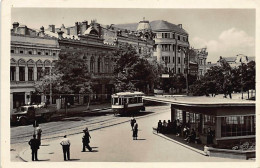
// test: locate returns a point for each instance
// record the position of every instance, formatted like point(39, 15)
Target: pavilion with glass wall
point(232, 121)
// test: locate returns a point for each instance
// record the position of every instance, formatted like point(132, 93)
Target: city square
point(154, 87)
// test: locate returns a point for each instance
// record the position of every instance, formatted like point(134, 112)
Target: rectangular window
point(179, 70)
point(12, 73)
point(179, 38)
point(237, 126)
point(39, 53)
point(179, 60)
point(39, 73)
point(21, 51)
point(53, 54)
point(21, 73)
point(47, 71)
point(12, 51)
point(30, 73)
point(30, 52)
point(179, 115)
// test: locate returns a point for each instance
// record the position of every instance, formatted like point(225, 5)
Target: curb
point(186, 146)
point(95, 110)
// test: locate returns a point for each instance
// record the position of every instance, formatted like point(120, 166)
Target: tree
point(133, 71)
point(69, 76)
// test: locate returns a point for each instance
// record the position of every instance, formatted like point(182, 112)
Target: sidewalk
point(81, 110)
point(114, 143)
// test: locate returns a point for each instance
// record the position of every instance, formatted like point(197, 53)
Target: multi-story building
point(32, 53)
point(86, 39)
point(171, 43)
point(236, 61)
point(141, 38)
point(201, 57)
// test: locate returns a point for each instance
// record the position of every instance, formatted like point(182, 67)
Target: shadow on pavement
point(40, 160)
point(73, 159)
point(92, 151)
point(143, 113)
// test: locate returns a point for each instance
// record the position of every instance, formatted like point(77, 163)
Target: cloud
point(228, 44)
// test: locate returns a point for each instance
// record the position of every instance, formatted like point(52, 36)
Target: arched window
point(22, 65)
point(99, 65)
point(92, 64)
point(106, 65)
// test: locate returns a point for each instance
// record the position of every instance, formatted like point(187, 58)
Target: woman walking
point(85, 140)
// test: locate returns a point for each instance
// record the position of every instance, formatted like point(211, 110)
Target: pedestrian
point(164, 126)
point(135, 131)
point(132, 122)
point(35, 145)
point(159, 127)
point(85, 140)
point(65, 142)
point(38, 132)
point(209, 136)
point(178, 129)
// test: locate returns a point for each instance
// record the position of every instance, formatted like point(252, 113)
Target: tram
point(127, 102)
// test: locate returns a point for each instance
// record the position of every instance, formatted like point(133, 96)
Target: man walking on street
point(135, 131)
point(65, 142)
point(85, 140)
point(35, 145)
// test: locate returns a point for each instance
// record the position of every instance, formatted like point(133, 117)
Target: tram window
point(120, 101)
point(132, 100)
point(115, 100)
point(139, 99)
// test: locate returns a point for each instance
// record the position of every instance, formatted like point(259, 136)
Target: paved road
point(20, 135)
point(115, 144)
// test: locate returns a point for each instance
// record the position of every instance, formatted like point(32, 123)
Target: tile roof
point(161, 25)
point(157, 25)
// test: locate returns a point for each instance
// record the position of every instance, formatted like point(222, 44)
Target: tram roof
point(200, 101)
point(128, 94)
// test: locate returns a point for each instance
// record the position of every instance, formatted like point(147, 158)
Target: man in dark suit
point(35, 145)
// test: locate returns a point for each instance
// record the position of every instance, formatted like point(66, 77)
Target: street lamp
point(186, 61)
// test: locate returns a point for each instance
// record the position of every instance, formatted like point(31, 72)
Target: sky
point(225, 32)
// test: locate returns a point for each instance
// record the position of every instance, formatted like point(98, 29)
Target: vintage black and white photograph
point(132, 84)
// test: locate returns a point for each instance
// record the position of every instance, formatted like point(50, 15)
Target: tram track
point(57, 128)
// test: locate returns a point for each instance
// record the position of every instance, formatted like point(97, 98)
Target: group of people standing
point(35, 143)
point(134, 126)
point(169, 127)
point(176, 127)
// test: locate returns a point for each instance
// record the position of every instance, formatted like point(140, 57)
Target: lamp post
point(186, 60)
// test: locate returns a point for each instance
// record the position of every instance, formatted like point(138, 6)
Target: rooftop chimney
point(41, 34)
point(76, 28)
point(180, 26)
point(52, 28)
point(15, 25)
point(84, 26)
point(60, 33)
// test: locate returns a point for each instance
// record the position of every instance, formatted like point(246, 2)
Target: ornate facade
point(31, 54)
point(141, 38)
point(89, 44)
